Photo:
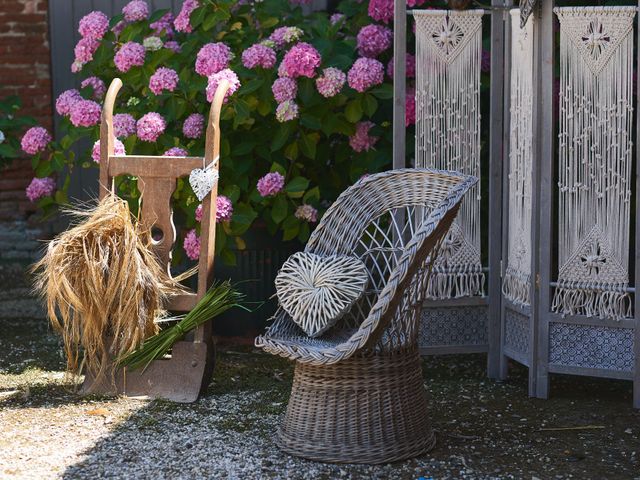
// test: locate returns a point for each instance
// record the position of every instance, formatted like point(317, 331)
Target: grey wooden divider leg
point(636, 371)
point(399, 83)
point(496, 161)
point(544, 172)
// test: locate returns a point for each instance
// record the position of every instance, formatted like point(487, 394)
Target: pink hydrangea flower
point(271, 184)
point(373, 40)
point(284, 35)
point(173, 45)
point(410, 107)
point(182, 22)
point(361, 141)
point(191, 245)
point(193, 126)
point(381, 10)
point(118, 149)
point(93, 25)
point(286, 111)
point(40, 187)
point(331, 82)
point(131, 54)
point(415, 3)
point(35, 140)
point(163, 24)
point(410, 66)
point(163, 79)
point(66, 100)
point(301, 61)
point(224, 210)
point(135, 11)
point(85, 113)
point(212, 58)
point(124, 125)
point(365, 73)
point(307, 213)
point(176, 152)
point(84, 50)
point(284, 89)
point(150, 127)
point(259, 56)
point(214, 81)
point(98, 86)
point(118, 28)
point(336, 18)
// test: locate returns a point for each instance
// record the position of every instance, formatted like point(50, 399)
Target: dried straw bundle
point(103, 286)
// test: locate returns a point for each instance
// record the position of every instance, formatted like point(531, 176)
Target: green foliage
point(12, 125)
point(312, 151)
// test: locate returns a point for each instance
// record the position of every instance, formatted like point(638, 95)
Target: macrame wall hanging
point(595, 158)
point(449, 55)
point(516, 284)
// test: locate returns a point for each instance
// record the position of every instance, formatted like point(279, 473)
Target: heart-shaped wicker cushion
point(316, 291)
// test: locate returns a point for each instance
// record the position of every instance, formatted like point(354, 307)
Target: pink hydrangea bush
point(135, 11)
point(215, 79)
point(39, 188)
point(191, 245)
point(259, 56)
point(150, 127)
point(361, 141)
point(301, 105)
point(176, 152)
point(365, 73)
point(118, 149)
point(35, 140)
point(331, 82)
point(301, 61)
point(271, 184)
point(373, 40)
point(193, 126)
point(284, 89)
point(131, 54)
point(163, 79)
point(212, 58)
point(124, 125)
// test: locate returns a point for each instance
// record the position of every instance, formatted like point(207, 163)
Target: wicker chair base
point(363, 410)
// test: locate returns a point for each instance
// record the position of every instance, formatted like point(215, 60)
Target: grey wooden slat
point(454, 350)
point(496, 161)
point(543, 176)
point(399, 83)
point(636, 309)
point(505, 303)
point(590, 372)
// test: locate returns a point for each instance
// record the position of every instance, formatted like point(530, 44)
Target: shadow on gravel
point(485, 429)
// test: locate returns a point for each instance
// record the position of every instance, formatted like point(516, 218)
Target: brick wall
point(25, 68)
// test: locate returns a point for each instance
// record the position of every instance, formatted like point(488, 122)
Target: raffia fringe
point(445, 285)
point(593, 302)
point(516, 286)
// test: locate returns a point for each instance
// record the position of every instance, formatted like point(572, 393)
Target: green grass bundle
point(103, 286)
point(220, 298)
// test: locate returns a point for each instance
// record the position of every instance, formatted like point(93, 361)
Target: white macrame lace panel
point(516, 285)
point(448, 60)
point(595, 159)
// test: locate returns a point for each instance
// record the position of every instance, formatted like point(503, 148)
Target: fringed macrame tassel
point(517, 280)
point(445, 285)
point(516, 286)
point(595, 159)
point(448, 60)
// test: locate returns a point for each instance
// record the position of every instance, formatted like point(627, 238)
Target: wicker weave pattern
point(358, 393)
point(394, 221)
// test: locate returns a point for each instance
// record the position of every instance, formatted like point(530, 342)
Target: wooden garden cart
point(181, 376)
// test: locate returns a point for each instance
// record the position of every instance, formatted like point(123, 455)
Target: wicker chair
point(358, 393)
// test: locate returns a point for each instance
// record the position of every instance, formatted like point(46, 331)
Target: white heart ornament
point(202, 180)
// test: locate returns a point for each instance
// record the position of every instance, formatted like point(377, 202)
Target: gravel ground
point(485, 429)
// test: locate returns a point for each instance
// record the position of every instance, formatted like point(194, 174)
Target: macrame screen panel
point(448, 60)
point(516, 284)
point(595, 158)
